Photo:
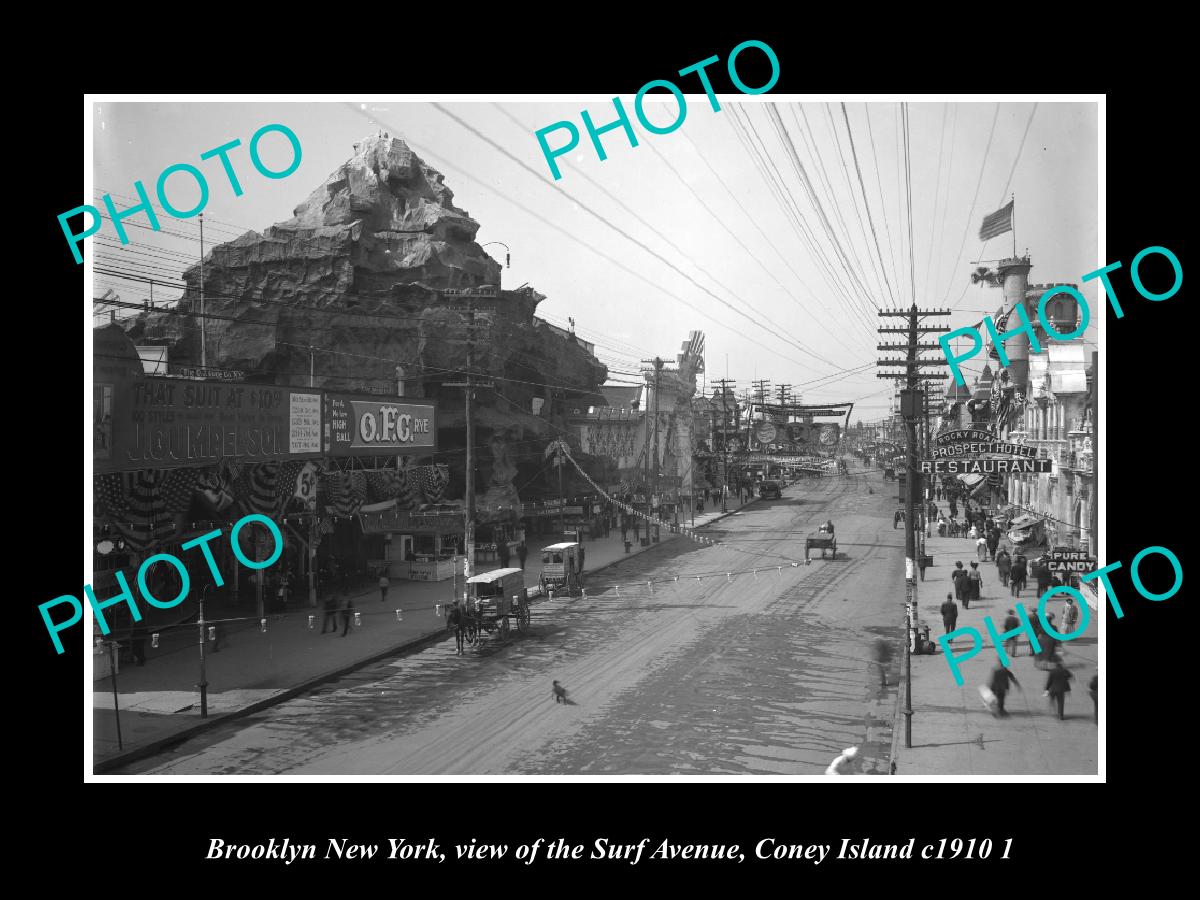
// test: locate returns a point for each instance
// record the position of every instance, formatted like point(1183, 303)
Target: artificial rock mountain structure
point(378, 269)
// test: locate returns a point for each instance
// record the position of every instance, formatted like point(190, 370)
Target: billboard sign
point(164, 423)
point(1070, 560)
point(358, 425)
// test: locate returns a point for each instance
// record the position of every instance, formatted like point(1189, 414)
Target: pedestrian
point(949, 613)
point(843, 764)
point(138, 640)
point(1043, 576)
point(953, 508)
point(1011, 624)
point(523, 552)
point(973, 532)
point(454, 621)
point(959, 577)
point(384, 584)
point(331, 608)
point(883, 656)
point(993, 542)
point(981, 548)
point(974, 582)
point(897, 518)
point(1003, 566)
point(922, 562)
point(1094, 690)
point(503, 554)
point(1058, 684)
point(347, 608)
point(1049, 654)
point(1018, 574)
point(1070, 615)
point(1001, 678)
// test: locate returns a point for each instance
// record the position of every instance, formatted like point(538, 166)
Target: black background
point(143, 837)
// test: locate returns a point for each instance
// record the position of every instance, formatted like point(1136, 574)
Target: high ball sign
point(357, 425)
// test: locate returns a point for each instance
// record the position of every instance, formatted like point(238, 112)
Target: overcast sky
point(801, 318)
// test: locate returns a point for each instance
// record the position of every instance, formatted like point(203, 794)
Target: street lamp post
point(507, 253)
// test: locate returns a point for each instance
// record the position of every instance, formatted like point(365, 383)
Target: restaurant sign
point(985, 466)
point(160, 423)
point(357, 425)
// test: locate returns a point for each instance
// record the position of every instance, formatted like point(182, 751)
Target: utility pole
point(724, 386)
point(469, 389)
point(911, 400)
point(203, 326)
point(653, 486)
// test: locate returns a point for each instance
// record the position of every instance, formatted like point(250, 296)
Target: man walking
point(347, 608)
point(1003, 566)
point(1042, 573)
point(1070, 615)
point(384, 584)
point(1001, 678)
point(993, 542)
point(1019, 573)
point(1011, 623)
point(1058, 683)
point(949, 614)
point(331, 608)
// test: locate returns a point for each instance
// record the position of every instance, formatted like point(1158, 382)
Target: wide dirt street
point(732, 674)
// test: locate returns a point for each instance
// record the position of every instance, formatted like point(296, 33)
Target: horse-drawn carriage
point(821, 538)
point(562, 568)
point(491, 600)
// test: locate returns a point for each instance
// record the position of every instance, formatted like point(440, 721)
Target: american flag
point(997, 223)
point(143, 506)
point(266, 487)
point(342, 493)
point(693, 348)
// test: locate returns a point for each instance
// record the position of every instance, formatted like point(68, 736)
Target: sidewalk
point(160, 702)
point(952, 732)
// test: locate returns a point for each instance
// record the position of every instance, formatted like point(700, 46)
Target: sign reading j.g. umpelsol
point(157, 423)
point(357, 425)
point(985, 466)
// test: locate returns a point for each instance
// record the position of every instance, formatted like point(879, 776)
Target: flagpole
point(1014, 224)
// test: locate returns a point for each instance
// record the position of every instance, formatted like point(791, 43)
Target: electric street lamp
point(507, 254)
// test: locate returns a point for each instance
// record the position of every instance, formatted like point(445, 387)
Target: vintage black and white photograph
point(683, 434)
